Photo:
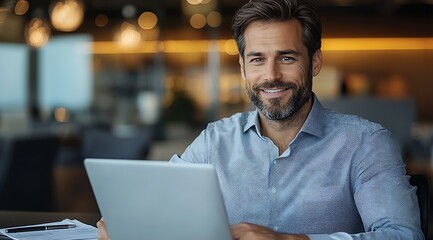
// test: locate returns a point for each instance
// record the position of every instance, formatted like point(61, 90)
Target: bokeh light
point(37, 33)
point(67, 15)
point(197, 21)
point(101, 20)
point(21, 7)
point(128, 35)
point(214, 19)
point(147, 20)
point(128, 11)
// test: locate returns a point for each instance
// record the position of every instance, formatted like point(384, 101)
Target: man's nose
point(272, 71)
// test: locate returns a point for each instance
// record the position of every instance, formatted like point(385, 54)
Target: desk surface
point(17, 218)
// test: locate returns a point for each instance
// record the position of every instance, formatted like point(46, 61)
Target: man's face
point(277, 68)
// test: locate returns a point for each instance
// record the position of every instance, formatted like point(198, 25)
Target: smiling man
point(278, 73)
point(292, 169)
point(270, 59)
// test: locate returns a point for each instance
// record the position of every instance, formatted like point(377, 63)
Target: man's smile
point(274, 90)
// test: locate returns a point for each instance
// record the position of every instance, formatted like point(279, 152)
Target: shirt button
point(276, 228)
point(275, 162)
point(273, 190)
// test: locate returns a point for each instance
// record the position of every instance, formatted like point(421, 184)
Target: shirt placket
point(274, 187)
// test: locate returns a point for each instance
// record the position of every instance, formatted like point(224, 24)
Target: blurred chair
point(423, 193)
point(106, 143)
point(26, 172)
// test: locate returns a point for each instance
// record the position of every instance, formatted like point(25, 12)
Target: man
point(292, 169)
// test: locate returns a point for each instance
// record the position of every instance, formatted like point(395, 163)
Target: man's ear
point(242, 66)
point(317, 62)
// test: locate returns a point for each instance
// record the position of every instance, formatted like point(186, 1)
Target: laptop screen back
point(158, 200)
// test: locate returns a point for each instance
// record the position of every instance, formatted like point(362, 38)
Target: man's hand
point(102, 230)
point(248, 231)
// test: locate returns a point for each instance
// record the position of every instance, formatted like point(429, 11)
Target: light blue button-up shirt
point(342, 177)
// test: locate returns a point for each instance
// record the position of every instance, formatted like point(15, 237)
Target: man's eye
point(287, 59)
point(256, 60)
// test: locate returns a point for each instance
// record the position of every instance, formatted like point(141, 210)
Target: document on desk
point(78, 231)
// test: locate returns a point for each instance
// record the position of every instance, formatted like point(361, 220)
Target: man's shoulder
point(351, 122)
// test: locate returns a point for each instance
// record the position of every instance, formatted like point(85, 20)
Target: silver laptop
point(158, 200)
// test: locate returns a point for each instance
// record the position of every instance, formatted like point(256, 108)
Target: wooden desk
point(17, 218)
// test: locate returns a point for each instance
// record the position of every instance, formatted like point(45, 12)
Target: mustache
point(274, 84)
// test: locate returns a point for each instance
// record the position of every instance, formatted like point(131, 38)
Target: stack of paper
point(78, 230)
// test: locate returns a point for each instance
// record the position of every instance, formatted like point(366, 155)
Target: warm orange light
point(147, 20)
point(371, 44)
point(197, 21)
point(21, 7)
point(194, 2)
point(229, 45)
point(37, 33)
point(214, 19)
point(61, 114)
point(3, 14)
point(116, 48)
point(128, 35)
point(101, 20)
point(67, 15)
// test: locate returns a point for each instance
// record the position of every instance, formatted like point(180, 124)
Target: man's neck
point(282, 132)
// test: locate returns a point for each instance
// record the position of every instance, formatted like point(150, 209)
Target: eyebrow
point(280, 52)
point(288, 52)
point(254, 54)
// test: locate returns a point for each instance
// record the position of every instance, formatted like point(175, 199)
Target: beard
point(276, 109)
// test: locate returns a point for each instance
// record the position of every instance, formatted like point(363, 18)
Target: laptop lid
point(158, 200)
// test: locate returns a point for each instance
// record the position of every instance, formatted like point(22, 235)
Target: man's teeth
point(273, 90)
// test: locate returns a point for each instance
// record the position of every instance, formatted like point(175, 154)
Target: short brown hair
point(280, 10)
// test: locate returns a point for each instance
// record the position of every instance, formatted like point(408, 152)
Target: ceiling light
point(197, 21)
point(128, 35)
point(214, 19)
point(21, 7)
point(37, 33)
point(67, 15)
point(147, 20)
point(101, 20)
point(200, 6)
point(194, 2)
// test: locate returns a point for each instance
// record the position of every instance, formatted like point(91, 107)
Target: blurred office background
point(140, 79)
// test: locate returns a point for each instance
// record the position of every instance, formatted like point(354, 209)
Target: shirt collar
point(314, 124)
point(252, 121)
